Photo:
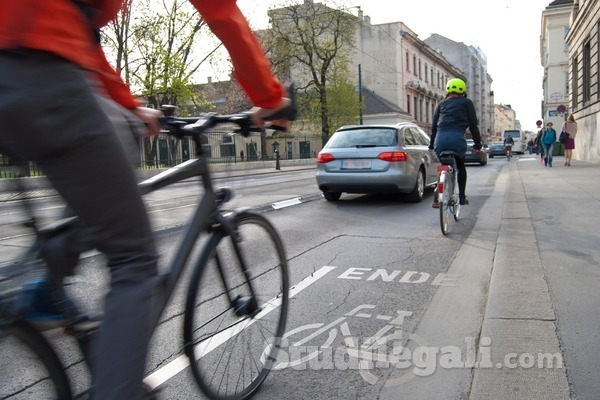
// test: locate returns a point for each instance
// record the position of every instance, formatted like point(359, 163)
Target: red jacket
point(58, 26)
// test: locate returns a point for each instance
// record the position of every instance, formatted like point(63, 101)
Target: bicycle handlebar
point(190, 126)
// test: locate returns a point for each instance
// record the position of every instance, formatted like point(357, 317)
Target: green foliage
point(313, 44)
point(153, 44)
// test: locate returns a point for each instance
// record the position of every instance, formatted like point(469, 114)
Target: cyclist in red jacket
point(62, 105)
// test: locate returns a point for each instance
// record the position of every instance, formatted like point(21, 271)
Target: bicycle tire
point(216, 338)
point(445, 203)
point(30, 368)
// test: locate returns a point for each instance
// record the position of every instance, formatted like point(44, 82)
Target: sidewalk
point(543, 297)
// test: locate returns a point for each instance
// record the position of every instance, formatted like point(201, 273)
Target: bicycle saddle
point(447, 157)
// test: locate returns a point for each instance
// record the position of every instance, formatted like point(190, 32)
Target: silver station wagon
point(377, 159)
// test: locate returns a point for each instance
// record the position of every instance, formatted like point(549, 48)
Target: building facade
point(583, 40)
point(504, 118)
point(402, 69)
point(555, 60)
point(473, 63)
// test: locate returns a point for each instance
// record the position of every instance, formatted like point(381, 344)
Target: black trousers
point(49, 113)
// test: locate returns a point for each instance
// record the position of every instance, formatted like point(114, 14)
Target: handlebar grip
point(290, 112)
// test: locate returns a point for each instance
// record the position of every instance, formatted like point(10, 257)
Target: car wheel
point(332, 196)
point(419, 190)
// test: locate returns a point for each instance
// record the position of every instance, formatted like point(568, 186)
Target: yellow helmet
point(456, 85)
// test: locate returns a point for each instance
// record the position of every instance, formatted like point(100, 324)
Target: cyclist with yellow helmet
point(452, 117)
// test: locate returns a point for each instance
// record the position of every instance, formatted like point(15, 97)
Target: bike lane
point(346, 332)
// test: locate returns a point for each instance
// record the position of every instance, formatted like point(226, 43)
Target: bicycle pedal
point(224, 194)
point(245, 305)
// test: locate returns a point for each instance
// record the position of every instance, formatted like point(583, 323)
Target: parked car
point(497, 149)
point(472, 156)
point(377, 159)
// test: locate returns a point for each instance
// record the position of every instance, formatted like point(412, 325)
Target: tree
point(153, 46)
point(312, 44)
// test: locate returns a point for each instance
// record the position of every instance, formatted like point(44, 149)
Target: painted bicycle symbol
point(372, 353)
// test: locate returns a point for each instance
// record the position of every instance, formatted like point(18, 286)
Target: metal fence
point(164, 151)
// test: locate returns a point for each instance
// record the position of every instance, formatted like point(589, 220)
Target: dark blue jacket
point(455, 113)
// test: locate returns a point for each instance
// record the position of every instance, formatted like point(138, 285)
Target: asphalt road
point(371, 266)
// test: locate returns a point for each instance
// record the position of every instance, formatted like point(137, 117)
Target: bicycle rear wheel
point(230, 316)
point(30, 369)
point(446, 197)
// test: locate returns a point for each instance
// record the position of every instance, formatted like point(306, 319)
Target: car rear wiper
point(360, 146)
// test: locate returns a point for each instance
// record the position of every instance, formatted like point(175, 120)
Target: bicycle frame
point(200, 220)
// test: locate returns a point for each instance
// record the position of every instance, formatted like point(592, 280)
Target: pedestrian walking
point(569, 126)
point(538, 145)
point(530, 146)
point(548, 140)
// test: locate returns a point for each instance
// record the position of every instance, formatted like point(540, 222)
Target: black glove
point(477, 146)
point(431, 146)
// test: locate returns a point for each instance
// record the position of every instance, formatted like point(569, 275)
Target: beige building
point(403, 70)
point(555, 60)
point(583, 42)
point(504, 118)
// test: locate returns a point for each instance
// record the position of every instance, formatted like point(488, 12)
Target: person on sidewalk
point(569, 126)
point(548, 140)
point(538, 145)
point(54, 80)
point(451, 118)
point(530, 146)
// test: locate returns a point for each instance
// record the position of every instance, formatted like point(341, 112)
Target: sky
point(507, 31)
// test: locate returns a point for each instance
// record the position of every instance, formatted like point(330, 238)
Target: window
point(407, 62)
point(408, 103)
point(421, 139)
point(356, 138)
point(407, 137)
point(416, 105)
point(420, 76)
point(575, 84)
point(585, 73)
point(426, 76)
point(415, 65)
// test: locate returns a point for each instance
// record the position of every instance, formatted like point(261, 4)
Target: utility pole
point(360, 98)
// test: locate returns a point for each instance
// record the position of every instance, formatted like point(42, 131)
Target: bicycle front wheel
point(236, 307)
point(30, 369)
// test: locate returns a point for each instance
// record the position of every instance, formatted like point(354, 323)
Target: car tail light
point(393, 156)
point(324, 158)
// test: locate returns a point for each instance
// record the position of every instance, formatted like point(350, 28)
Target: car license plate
point(356, 164)
point(469, 152)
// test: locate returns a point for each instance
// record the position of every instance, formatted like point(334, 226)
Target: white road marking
point(167, 372)
point(286, 203)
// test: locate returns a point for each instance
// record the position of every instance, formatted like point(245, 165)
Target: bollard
point(277, 167)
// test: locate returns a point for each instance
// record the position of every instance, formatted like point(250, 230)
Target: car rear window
point(370, 137)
